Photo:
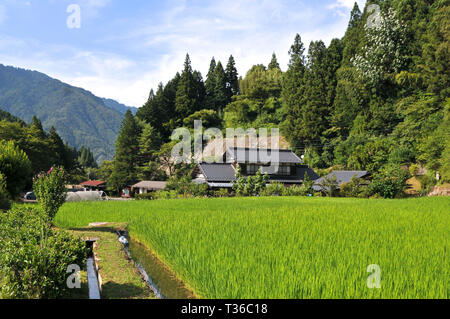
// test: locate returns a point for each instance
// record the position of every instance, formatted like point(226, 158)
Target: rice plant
point(290, 247)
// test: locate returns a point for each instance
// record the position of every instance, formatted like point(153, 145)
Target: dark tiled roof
point(258, 155)
point(341, 177)
point(218, 172)
point(226, 173)
point(297, 178)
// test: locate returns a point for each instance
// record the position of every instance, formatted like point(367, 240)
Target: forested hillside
point(122, 108)
point(44, 149)
point(79, 117)
point(376, 100)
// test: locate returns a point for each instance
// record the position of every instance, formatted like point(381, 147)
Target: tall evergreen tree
point(273, 63)
point(36, 124)
point(57, 146)
point(149, 143)
point(221, 92)
point(232, 79)
point(127, 154)
point(296, 53)
point(293, 91)
point(355, 16)
point(186, 99)
point(210, 85)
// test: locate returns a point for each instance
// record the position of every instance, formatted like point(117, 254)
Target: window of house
point(284, 170)
point(252, 169)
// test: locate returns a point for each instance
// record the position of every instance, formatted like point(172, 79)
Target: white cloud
point(348, 4)
point(155, 49)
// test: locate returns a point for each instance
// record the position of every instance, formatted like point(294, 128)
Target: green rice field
point(289, 247)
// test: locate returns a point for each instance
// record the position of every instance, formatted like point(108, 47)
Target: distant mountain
point(113, 104)
point(79, 117)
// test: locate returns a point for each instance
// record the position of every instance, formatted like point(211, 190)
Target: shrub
point(294, 191)
point(390, 182)
point(50, 190)
point(223, 192)
point(427, 183)
point(186, 188)
point(251, 185)
point(414, 169)
point(15, 166)
point(34, 257)
point(166, 195)
point(145, 196)
point(329, 185)
point(273, 189)
point(355, 188)
point(5, 204)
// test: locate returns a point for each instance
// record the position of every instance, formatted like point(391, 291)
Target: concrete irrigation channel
point(94, 279)
point(158, 277)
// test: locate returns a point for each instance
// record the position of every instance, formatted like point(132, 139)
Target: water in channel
point(162, 282)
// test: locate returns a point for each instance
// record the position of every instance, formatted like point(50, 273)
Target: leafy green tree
point(15, 167)
point(50, 190)
point(34, 256)
point(127, 154)
point(5, 203)
point(390, 182)
point(329, 185)
point(209, 118)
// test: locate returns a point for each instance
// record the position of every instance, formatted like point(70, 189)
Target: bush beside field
point(295, 247)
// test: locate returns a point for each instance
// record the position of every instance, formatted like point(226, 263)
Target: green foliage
point(184, 187)
point(5, 203)
point(273, 189)
point(79, 117)
point(250, 185)
point(223, 192)
point(390, 182)
point(209, 118)
point(86, 158)
point(355, 188)
point(34, 257)
point(289, 247)
point(15, 168)
point(126, 160)
point(50, 190)
point(329, 185)
point(427, 183)
point(145, 196)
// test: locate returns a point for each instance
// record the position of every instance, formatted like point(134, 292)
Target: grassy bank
point(290, 247)
point(121, 280)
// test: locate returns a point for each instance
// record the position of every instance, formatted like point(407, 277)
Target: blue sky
point(126, 47)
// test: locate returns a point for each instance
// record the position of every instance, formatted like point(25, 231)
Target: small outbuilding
point(94, 185)
point(342, 177)
point(88, 196)
point(148, 186)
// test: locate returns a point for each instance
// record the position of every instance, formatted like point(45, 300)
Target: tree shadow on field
point(113, 290)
